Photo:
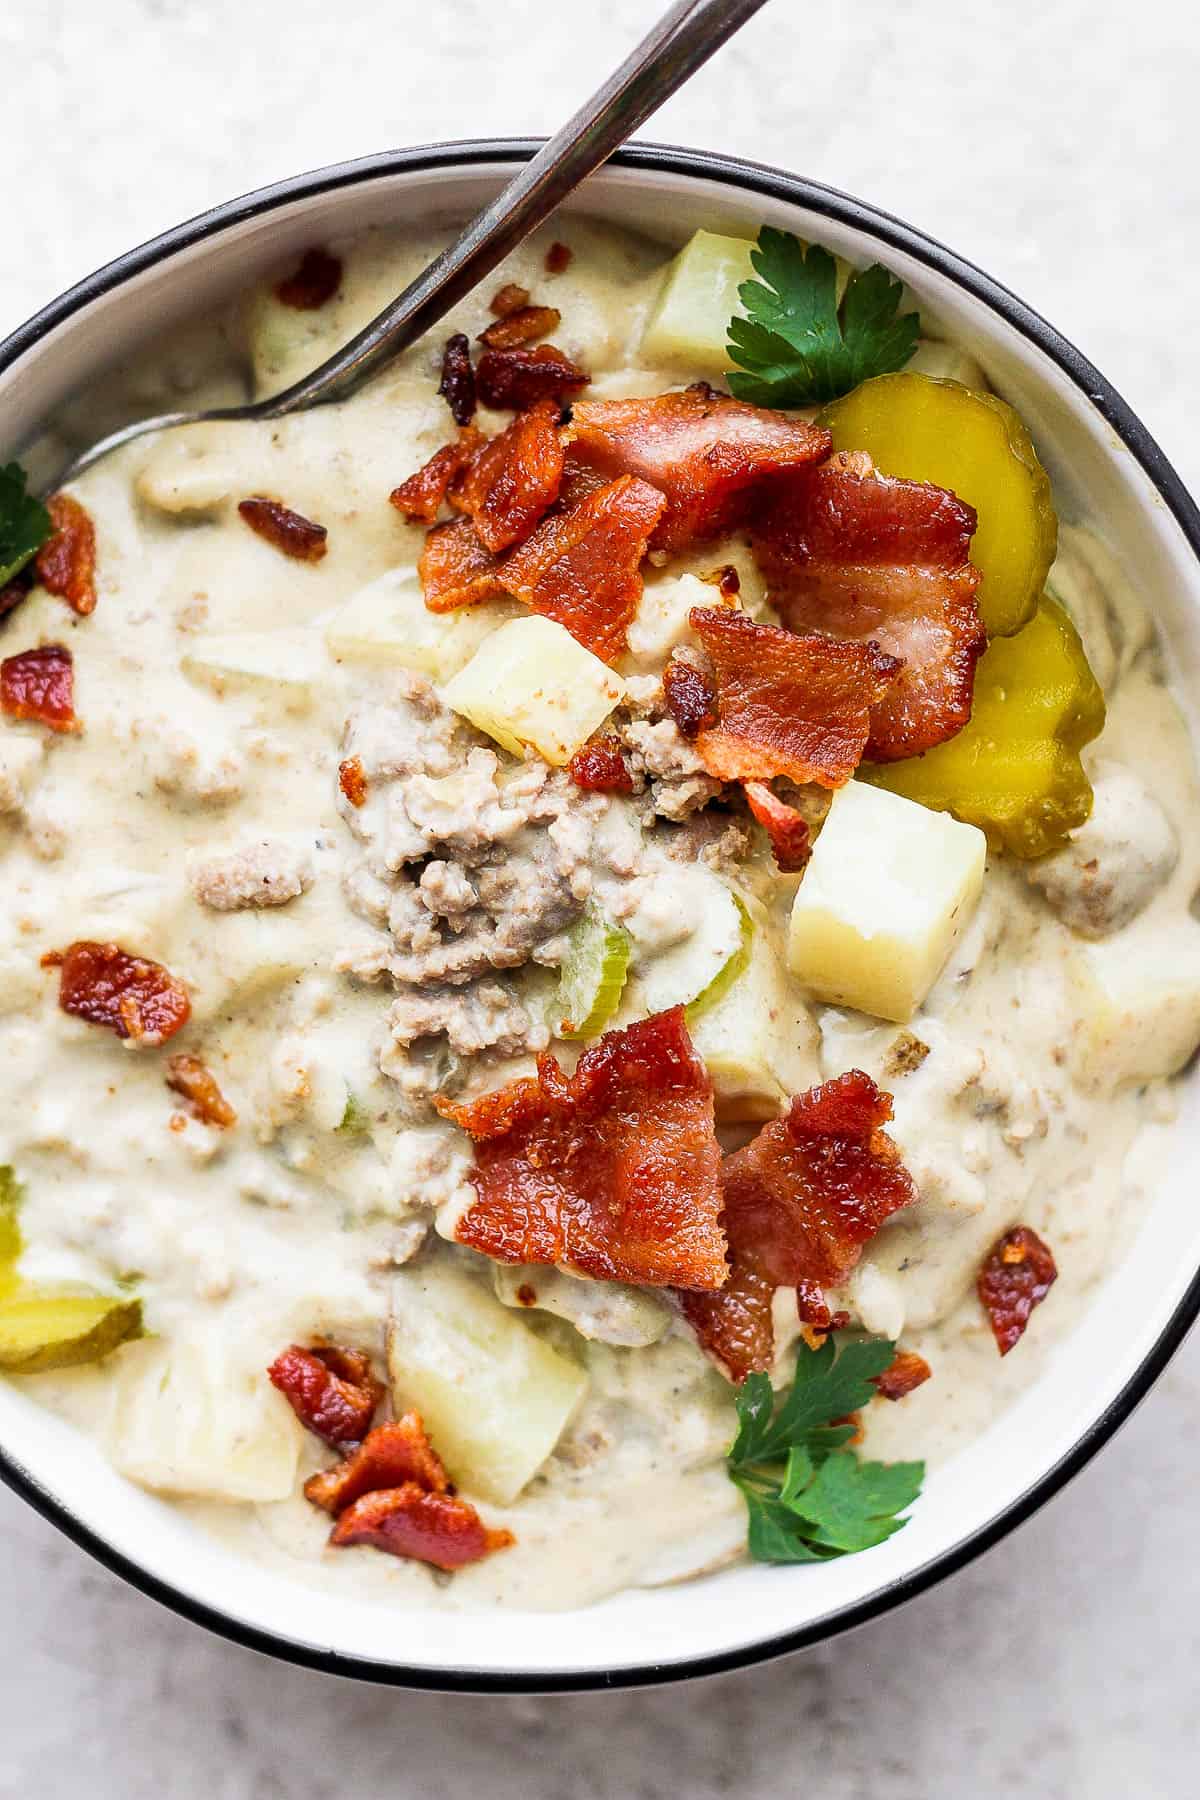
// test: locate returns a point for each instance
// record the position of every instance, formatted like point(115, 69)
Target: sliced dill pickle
point(10, 1230)
point(736, 964)
point(48, 1329)
point(923, 429)
point(1014, 770)
point(592, 976)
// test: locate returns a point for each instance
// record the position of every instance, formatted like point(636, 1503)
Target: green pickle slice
point(42, 1329)
point(728, 973)
point(592, 977)
point(924, 429)
point(1014, 770)
point(10, 1230)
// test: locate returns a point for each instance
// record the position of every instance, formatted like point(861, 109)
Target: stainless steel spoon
point(682, 41)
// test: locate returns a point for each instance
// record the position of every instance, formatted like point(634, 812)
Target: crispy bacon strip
point(420, 497)
point(330, 1389)
point(66, 562)
point(457, 386)
point(289, 531)
point(600, 768)
point(509, 299)
point(388, 1457)
point(136, 998)
point(691, 697)
point(612, 1171)
point(457, 568)
point(787, 705)
point(39, 684)
point(510, 482)
point(352, 779)
point(520, 377)
point(709, 454)
point(1017, 1274)
point(188, 1076)
point(520, 326)
point(800, 1202)
point(905, 1372)
point(787, 828)
point(441, 1529)
point(862, 556)
point(313, 283)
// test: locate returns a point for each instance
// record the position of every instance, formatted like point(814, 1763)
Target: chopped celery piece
point(355, 1120)
point(593, 974)
point(48, 1329)
point(974, 444)
point(735, 964)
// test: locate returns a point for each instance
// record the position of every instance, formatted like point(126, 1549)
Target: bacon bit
point(40, 684)
point(558, 258)
point(289, 531)
point(583, 567)
point(708, 453)
point(787, 828)
point(509, 299)
point(787, 705)
point(521, 327)
point(691, 697)
point(420, 497)
point(66, 562)
point(858, 554)
point(800, 1202)
point(600, 768)
point(518, 378)
point(854, 1420)
point(612, 1171)
point(352, 780)
point(726, 580)
point(905, 1372)
point(457, 386)
point(527, 1295)
point(1017, 1274)
point(330, 1389)
point(136, 998)
point(512, 480)
point(441, 1529)
point(188, 1076)
point(312, 283)
point(16, 590)
point(388, 1457)
point(457, 568)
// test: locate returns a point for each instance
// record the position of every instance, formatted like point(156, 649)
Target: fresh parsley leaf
point(796, 345)
point(24, 522)
point(808, 1495)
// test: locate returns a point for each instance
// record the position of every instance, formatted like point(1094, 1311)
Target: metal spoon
point(682, 41)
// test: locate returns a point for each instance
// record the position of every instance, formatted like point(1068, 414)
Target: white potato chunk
point(194, 470)
point(186, 1419)
point(21, 758)
point(1139, 1007)
point(1112, 867)
point(388, 622)
point(759, 1041)
point(890, 887)
point(531, 684)
point(946, 362)
point(607, 1311)
point(494, 1397)
point(699, 297)
point(284, 666)
point(661, 620)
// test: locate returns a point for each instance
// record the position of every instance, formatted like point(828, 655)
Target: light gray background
point(1057, 145)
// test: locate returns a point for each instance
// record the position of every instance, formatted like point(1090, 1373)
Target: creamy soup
point(352, 954)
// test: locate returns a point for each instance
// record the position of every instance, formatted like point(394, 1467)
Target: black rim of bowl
point(747, 178)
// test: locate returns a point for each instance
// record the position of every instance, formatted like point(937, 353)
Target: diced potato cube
point(1139, 1006)
point(494, 1397)
point(889, 889)
point(187, 1420)
point(286, 666)
point(193, 470)
point(699, 297)
point(388, 621)
point(661, 620)
point(759, 1042)
point(532, 684)
point(21, 760)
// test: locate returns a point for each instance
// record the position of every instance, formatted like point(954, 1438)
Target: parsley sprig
point(24, 522)
point(796, 344)
point(809, 1497)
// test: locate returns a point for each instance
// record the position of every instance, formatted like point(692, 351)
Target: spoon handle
point(684, 38)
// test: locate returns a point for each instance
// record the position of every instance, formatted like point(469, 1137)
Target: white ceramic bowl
point(1106, 467)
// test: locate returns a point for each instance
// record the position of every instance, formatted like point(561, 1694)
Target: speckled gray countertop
point(1059, 146)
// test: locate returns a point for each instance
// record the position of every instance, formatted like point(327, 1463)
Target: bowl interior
point(1091, 1377)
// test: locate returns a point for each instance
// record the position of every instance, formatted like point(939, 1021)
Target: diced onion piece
point(532, 685)
point(889, 889)
point(45, 1328)
point(592, 976)
point(494, 1397)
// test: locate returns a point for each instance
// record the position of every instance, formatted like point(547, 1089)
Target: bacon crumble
point(558, 258)
point(331, 1390)
point(39, 684)
point(905, 1372)
point(519, 377)
point(787, 828)
point(389, 1456)
point(105, 985)
point(66, 562)
point(600, 768)
point(188, 1076)
point(290, 532)
point(352, 779)
point(510, 482)
point(520, 327)
point(457, 385)
point(312, 284)
point(509, 299)
point(457, 568)
point(612, 1171)
point(15, 591)
point(691, 697)
point(421, 496)
point(1017, 1274)
point(441, 1529)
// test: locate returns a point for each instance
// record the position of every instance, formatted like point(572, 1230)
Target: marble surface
point(1058, 146)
